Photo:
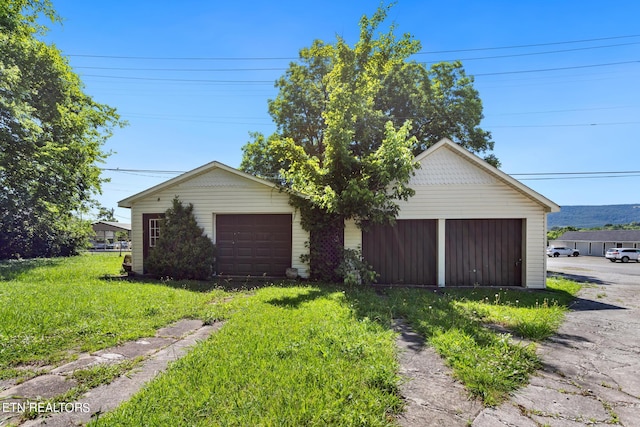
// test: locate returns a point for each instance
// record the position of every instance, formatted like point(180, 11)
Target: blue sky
point(193, 78)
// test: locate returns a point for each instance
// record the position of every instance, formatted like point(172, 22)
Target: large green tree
point(439, 101)
point(350, 121)
point(51, 139)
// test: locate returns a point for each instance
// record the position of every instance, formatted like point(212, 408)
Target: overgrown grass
point(288, 356)
point(50, 308)
point(300, 355)
point(460, 325)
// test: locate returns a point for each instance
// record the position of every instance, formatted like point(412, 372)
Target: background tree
point(350, 121)
point(182, 251)
point(106, 214)
point(556, 232)
point(51, 138)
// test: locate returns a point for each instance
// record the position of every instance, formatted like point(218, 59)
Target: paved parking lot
point(591, 367)
point(598, 269)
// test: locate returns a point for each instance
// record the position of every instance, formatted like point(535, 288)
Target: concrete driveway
point(591, 372)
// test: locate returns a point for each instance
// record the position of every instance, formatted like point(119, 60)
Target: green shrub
point(182, 251)
point(354, 269)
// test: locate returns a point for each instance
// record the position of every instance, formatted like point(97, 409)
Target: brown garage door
point(484, 252)
point(255, 245)
point(405, 253)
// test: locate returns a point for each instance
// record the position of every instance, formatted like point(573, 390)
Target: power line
point(578, 177)
point(561, 111)
point(525, 175)
point(180, 69)
point(178, 58)
point(563, 125)
point(514, 55)
point(540, 70)
point(248, 58)
point(574, 173)
point(548, 176)
point(183, 80)
point(271, 82)
point(141, 170)
point(283, 69)
point(532, 45)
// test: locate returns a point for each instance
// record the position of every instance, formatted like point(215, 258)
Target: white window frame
point(154, 231)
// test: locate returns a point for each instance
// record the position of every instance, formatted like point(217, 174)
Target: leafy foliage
point(354, 269)
point(182, 251)
point(350, 120)
point(439, 101)
point(51, 134)
point(328, 160)
point(557, 232)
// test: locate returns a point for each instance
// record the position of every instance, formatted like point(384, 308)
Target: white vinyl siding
point(352, 235)
point(451, 184)
point(218, 192)
point(450, 187)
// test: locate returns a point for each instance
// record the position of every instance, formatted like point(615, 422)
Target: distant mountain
point(594, 216)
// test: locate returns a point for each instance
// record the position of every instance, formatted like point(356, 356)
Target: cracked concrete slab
point(41, 387)
point(168, 345)
point(432, 396)
point(133, 349)
point(591, 368)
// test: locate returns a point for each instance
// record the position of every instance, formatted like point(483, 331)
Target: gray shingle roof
point(602, 236)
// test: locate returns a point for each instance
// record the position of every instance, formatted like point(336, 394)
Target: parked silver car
point(623, 254)
point(556, 251)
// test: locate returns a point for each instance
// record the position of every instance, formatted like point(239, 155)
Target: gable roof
point(444, 143)
point(602, 236)
point(126, 203)
point(496, 173)
point(110, 226)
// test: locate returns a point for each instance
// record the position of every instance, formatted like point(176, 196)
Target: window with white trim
point(154, 231)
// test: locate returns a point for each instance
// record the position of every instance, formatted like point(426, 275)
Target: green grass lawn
point(287, 355)
point(51, 309)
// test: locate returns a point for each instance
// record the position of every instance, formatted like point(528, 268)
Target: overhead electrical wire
point(525, 175)
point(255, 82)
point(282, 69)
point(535, 44)
point(555, 69)
point(169, 58)
point(573, 173)
point(183, 80)
point(271, 81)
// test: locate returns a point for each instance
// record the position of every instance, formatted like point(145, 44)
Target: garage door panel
point(224, 252)
point(244, 252)
point(484, 252)
point(254, 244)
point(403, 253)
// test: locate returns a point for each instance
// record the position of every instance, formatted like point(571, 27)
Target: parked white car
point(556, 251)
point(623, 254)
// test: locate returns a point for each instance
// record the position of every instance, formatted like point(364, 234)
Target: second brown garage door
point(484, 252)
point(405, 253)
point(253, 244)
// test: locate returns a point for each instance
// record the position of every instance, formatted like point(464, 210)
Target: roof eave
point(129, 201)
